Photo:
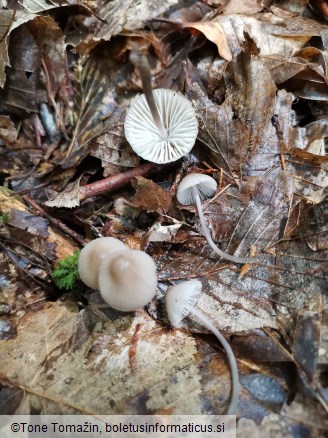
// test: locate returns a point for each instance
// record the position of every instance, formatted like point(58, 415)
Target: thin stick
point(54, 221)
point(114, 182)
point(208, 237)
point(282, 144)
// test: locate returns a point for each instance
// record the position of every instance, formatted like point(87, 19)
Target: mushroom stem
point(141, 62)
point(207, 234)
point(231, 357)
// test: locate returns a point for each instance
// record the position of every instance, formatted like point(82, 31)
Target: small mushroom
point(180, 302)
point(194, 188)
point(161, 125)
point(93, 254)
point(128, 280)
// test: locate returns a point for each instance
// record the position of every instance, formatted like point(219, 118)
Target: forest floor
point(256, 75)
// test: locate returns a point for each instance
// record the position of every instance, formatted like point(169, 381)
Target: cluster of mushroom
point(127, 281)
point(126, 278)
point(161, 126)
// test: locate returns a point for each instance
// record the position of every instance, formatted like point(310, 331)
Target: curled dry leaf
point(151, 197)
point(8, 22)
point(37, 37)
point(272, 35)
point(214, 32)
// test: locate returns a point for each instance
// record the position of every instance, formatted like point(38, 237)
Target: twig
point(301, 370)
point(54, 221)
point(279, 134)
point(114, 182)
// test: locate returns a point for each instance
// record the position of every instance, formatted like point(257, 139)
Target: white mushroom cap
point(180, 301)
point(205, 185)
point(128, 280)
point(179, 120)
point(93, 254)
point(179, 298)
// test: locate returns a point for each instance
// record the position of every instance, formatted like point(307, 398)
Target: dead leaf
point(105, 358)
point(215, 33)
point(245, 7)
point(9, 20)
point(307, 336)
point(32, 38)
point(150, 197)
point(117, 16)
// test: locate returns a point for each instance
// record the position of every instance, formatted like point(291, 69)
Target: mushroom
point(194, 188)
point(161, 125)
point(93, 254)
point(180, 302)
point(128, 280)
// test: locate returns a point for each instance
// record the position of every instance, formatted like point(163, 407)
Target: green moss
point(66, 273)
point(66, 277)
point(4, 218)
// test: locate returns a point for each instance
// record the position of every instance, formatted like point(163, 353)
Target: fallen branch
point(58, 223)
point(114, 182)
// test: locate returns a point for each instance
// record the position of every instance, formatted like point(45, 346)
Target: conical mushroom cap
point(93, 254)
point(179, 120)
point(179, 297)
point(128, 280)
point(205, 184)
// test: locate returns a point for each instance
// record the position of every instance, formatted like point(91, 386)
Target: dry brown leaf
point(68, 198)
point(272, 35)
point(214, 32)
point(151, 197)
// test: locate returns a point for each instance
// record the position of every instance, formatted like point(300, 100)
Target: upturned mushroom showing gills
point(194, 188)
point(93, 254)
point(161, 125)
point(180, 302)
point(128, 280)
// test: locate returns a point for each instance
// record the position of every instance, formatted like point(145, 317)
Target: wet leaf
point(9, 20)
point(307, 336)
point(94, 102)
point(32, 48)
point(105, 358)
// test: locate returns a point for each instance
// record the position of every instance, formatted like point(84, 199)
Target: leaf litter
point(257, 79)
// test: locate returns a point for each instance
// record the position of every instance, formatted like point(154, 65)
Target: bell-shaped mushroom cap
point(205, 185)
point(128, 280)
point(179, 298)
point(179, 120)
point(93, 254)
